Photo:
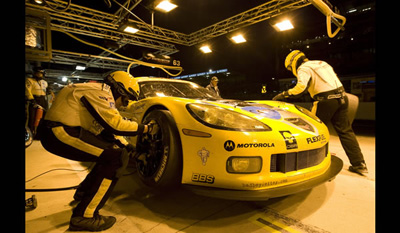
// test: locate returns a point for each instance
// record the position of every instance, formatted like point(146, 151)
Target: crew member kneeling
point(81, 125)
point(331, 103)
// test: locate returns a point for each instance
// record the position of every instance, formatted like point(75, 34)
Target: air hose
point(52, 189)
point(162, 67)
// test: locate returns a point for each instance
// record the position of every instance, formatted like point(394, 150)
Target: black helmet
point(38, 69)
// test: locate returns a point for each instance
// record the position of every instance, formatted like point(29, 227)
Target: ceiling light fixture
point(128, 27)
point(238, 39)
point(205, 49)
point(80, 67)
point(283, 26)
point(39, 2)
point(165, 6)
point(131, 29)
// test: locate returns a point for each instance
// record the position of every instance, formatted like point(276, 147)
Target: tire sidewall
point(28, 137)
point(169, 170)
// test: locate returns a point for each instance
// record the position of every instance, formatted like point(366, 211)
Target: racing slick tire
point(159, 163)
point(28, 137)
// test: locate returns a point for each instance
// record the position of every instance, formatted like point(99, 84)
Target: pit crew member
point(331, 103)
point(81, 125)
point(35, 93)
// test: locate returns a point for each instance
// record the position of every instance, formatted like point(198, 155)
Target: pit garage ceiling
point(97, 21)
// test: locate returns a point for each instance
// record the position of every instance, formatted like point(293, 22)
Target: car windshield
point(174, 89)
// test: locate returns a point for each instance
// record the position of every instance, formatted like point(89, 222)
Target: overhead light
point(166, 6)
point(238, 39)
point(352, 10)
point(128, 27)
point(39, 2)
point(80, 67)
point(284, 25)
point(205, 49)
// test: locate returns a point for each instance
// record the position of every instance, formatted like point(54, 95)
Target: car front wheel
point(159, 161)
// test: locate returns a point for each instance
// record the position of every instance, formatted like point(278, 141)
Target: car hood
point(267, 111)
point(253, 108)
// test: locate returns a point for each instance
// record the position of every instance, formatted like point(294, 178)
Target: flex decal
point(319, 138)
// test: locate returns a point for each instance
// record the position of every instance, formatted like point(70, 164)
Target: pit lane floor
point(346, 204)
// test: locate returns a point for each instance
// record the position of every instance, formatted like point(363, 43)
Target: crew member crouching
point(81, 125)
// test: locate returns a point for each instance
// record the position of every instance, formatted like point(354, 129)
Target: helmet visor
point(133, 94)
point(130, 93)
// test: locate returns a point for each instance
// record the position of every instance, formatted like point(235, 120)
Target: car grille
point(298, 160)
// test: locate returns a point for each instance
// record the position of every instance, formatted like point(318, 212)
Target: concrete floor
point(346, 204)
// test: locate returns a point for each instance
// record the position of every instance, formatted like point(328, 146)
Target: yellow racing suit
point(81, 125)
point(92, 107)
point(35, 93)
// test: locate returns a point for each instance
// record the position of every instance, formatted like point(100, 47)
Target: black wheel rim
point(150, 149)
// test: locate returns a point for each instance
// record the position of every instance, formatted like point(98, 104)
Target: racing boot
point(359, 169)
point(97, 223)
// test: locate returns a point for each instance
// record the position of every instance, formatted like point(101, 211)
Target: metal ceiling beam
point(90, 20)
point(72, 58)
point(121, 13)
point(109, 34)
point(55, 74)
point(257, 14)
point(96, 20)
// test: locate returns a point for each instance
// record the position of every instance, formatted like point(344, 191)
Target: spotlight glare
point(205, 49)
point(238, 39)
point(284, 25)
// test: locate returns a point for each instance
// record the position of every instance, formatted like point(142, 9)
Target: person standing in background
point(213, 86)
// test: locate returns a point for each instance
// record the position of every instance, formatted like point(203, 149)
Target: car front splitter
point(265, 194)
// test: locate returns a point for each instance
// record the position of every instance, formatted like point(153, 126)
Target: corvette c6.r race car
point(231, 149)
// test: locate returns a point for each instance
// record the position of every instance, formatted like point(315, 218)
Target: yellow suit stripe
point(105, 184)
point(63, 136)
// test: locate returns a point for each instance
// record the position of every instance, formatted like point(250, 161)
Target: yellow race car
point(232, 149)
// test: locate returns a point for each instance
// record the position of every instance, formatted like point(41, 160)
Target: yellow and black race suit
point(78, 126)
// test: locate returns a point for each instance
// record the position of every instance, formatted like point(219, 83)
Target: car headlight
point(220, 118)
point(246, 165)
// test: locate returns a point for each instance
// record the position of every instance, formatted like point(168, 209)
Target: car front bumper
point(265, 194)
